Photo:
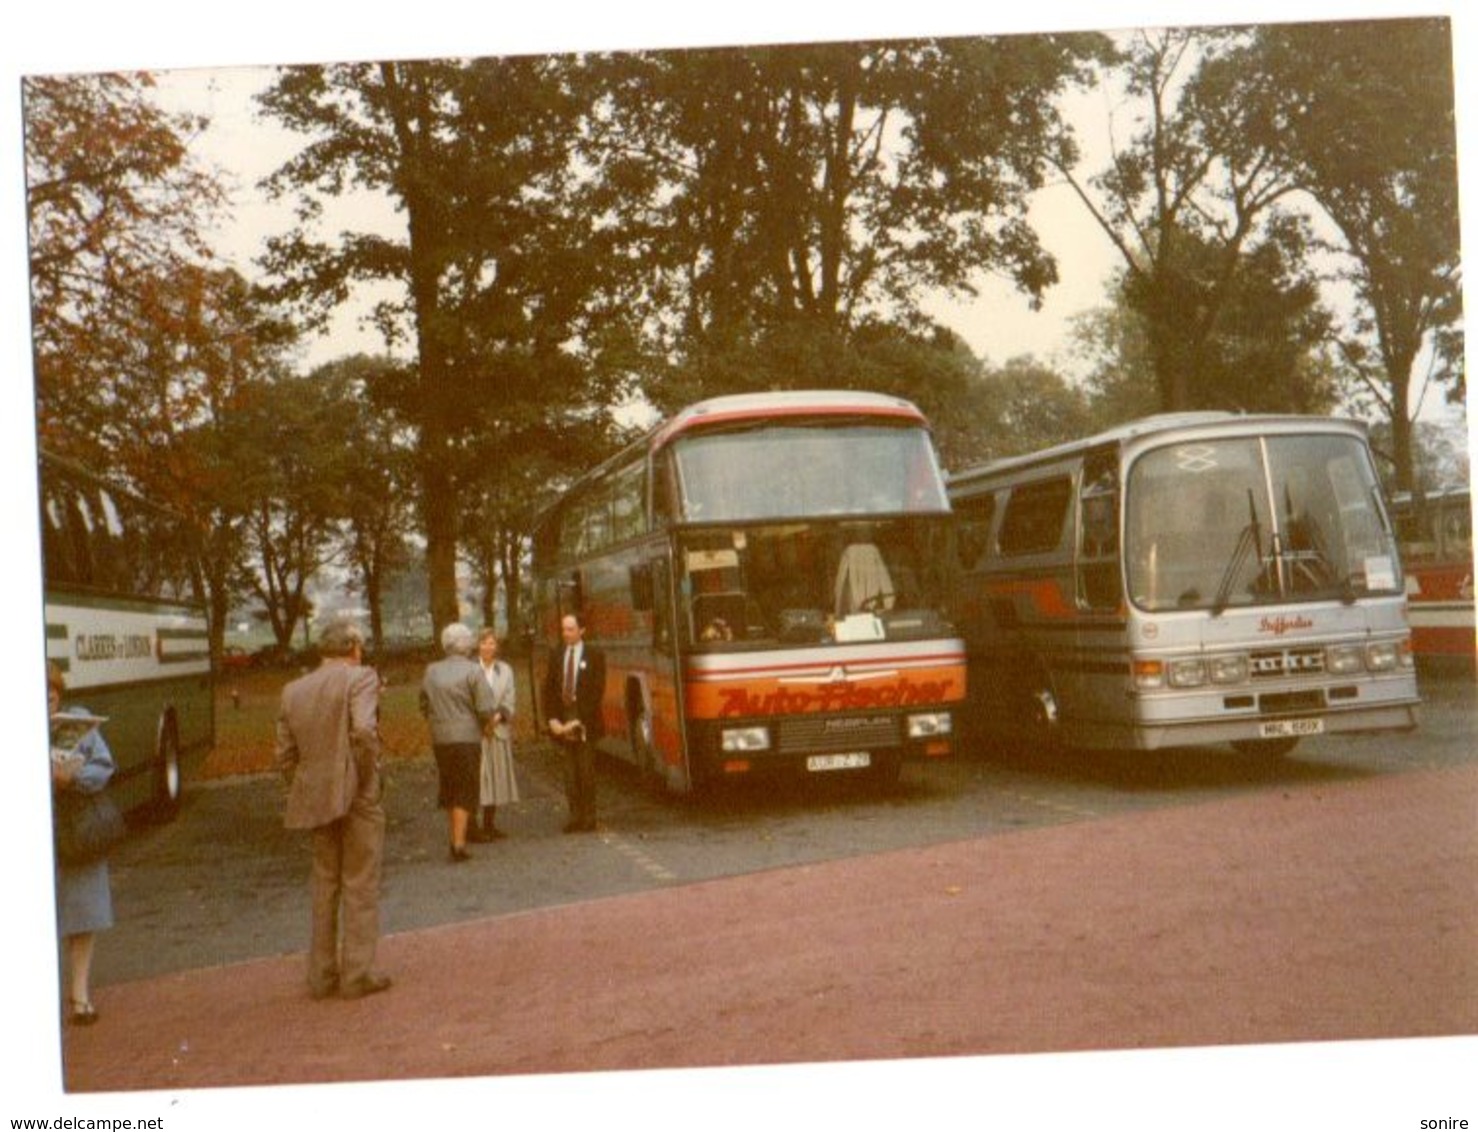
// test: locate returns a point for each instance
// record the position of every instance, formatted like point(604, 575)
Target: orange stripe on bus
point(1044, 595)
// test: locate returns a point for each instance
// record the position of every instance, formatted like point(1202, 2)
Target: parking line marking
point(655, 869)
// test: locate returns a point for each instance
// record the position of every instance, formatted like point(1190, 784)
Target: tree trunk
point(413, 119)
point(512, 549)
point(1401, 448)
point(373, 598)
point(439, 520)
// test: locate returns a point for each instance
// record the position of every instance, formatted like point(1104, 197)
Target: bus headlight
point(1342, 660)
point(1382, 656)
point(1228, 669)
point(929, 725)
point(1189, 672)
point(736, 740)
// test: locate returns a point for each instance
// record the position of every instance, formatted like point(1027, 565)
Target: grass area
point(246, 718)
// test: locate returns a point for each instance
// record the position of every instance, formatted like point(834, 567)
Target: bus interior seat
point(863, 577)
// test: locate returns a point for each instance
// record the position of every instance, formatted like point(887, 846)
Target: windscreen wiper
point(1250, 538)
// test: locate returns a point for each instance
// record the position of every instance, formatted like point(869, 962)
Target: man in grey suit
point(328, 749)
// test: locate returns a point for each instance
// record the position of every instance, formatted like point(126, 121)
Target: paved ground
point(1319, 913)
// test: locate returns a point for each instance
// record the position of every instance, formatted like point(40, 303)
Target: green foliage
point(293, 452)
point(1364, 112)
point(1195, 203)
point(1021, 407)
point(500, 261)
point(785, 195)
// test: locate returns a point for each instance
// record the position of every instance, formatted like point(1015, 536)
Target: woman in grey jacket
point(458, 705)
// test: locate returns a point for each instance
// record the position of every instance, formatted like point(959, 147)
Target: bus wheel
point(640, 738)
point(1265, 748)
point(168, 774)
point(1039, 715)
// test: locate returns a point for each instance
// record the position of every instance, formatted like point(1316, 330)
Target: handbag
point(87, 826)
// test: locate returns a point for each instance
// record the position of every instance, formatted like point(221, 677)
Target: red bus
point(768, 575)
point(1435, 530)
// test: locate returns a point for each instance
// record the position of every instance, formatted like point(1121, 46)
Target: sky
point(1372, 1085)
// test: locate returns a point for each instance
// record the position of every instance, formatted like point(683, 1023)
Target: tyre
point(639, 735)
point(168, 774)
point(1035, 713)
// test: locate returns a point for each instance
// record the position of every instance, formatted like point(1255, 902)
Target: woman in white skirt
point(499, 784)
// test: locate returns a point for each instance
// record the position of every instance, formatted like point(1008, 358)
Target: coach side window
point(1035, 516)
point(1099, 585)
point(972, 538)
point(664, 492)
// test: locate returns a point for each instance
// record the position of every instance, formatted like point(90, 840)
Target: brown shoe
point(370, 984)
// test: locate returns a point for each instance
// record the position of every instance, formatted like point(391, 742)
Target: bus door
point(670, 738)
point(658, 737)
point(1101, 662)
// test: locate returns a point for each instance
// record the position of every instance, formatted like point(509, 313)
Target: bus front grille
point(838, 733)
point(1287, 662)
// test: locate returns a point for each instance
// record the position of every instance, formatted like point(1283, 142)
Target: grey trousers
point(347, 857)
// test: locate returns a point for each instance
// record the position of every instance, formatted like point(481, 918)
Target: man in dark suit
point(573, 689)
point(328, 748)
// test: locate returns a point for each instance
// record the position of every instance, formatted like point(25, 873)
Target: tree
point(793, 192)
point(174, 427)
point(115, 211)
point(144, 349)
point(378, 485)
point(1365, 114)
point(478, 158)
point(1193, 202)
point(294, 451)
point(1265, 353)
point(1021, 407)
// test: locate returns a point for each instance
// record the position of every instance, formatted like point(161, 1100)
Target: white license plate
point(1290, 728)
point(839, 762)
